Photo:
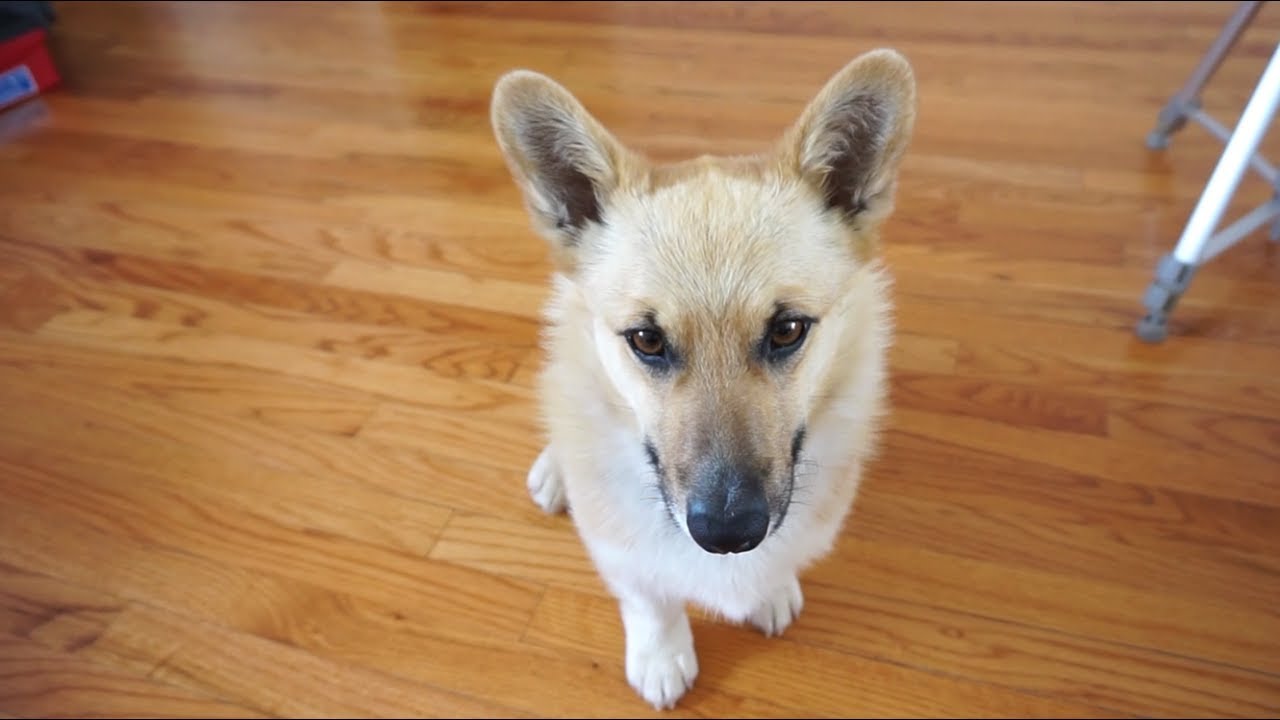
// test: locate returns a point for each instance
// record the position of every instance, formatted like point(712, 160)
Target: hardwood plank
point(351, 624)
point(265, 675)
point(66, 287)
point(1024, 405)
point(275, 174)
point(52, 613)
point(218, 390)
point(206, 659)
point(507, 446)
point(262, 602)
point(553, 552)
point(923, 353)
point(1069, 667)
point(241, 486)
point(386, 380)
point(253, 237)
point(1217, 384)
point(122, 501)
point(1107, 547)
point(499, 296)
point(61, 224)
point(1232, 312)
point(931, 268)
point(426, 468)
point(458, 35)
point(356, 324)
point(814, 680)
point(38, 682)
point(1048, 600)
point(909, 571)
point(161, 506)
point(975, 21)
point(27, 302)
point(1244, 476)
point(1095, 350)
point(980, 476)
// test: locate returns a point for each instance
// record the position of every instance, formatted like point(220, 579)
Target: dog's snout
point(728, 514)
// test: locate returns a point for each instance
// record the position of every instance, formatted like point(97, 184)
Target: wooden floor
point(268, 334)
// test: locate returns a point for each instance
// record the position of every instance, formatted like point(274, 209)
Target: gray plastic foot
point(1172, 118)
point(1152, 329)
point(1171, 280)
point(1274, 233)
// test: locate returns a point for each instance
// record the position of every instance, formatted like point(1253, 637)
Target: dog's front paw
point(663, 669)
point(777, 614)
point(545, 484)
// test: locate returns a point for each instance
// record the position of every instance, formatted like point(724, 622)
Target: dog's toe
point(662, 666)
point(545, 484)
point(663, 672)
point(780, 611)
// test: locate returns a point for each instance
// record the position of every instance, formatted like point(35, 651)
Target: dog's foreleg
point(661, 663)
point(546, 484)
point(780, 610)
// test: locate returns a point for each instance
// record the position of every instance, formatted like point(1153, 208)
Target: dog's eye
point(647, 342)
point(786, 333)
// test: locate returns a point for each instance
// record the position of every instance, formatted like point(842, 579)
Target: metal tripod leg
point(1199, 243)
point(1186, 101)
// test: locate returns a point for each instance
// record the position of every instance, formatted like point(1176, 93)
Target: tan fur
point(709, 248)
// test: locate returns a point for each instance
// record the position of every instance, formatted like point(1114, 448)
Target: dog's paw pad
point(663, 672)
point(780, 611)
point(546, 487)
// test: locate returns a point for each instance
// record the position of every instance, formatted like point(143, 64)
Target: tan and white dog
point(716, 347)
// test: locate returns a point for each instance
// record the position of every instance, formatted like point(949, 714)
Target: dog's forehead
point(722, 248)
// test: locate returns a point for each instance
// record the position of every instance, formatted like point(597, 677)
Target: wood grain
point(263, 674)
point(831, 684)
point(37, 682)
point(254, 673)
point(270, 325)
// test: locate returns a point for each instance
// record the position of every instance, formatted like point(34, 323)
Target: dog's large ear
point(850, 139)
point(563, 160)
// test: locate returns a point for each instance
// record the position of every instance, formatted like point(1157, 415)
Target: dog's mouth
point(723, 510)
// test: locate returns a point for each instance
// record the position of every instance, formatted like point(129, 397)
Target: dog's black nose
point(734, 527)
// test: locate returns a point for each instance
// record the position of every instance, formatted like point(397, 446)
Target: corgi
point(715, 350)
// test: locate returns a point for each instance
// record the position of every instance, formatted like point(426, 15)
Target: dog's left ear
point(564, 161)
point(849, 141)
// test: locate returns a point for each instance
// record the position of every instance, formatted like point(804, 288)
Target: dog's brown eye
point(786, 333)
point(648, 342)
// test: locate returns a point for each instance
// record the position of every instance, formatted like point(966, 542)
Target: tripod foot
point(1172, 278)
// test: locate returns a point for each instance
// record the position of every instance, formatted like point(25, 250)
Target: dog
point(715, 349)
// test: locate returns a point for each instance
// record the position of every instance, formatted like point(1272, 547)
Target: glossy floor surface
point(269, 329)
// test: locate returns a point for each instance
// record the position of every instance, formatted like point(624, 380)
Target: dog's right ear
point(563, 160)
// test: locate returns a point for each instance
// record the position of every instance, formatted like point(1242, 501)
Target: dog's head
point(722, 291)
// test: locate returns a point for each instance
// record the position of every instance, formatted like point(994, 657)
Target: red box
point(26, 68)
